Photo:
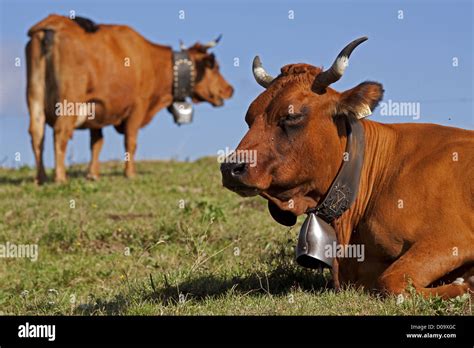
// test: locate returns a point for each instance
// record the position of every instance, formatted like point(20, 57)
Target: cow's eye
point(291, 120)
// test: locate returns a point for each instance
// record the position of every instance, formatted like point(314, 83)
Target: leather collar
point(345, 186)
point(183, 75)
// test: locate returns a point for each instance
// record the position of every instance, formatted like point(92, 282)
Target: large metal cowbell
point(316, 236)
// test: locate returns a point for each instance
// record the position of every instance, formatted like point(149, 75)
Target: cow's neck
point(379, 145)
point(163, 76)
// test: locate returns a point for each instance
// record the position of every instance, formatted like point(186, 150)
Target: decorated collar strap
point(183, 75)
point(343, 190)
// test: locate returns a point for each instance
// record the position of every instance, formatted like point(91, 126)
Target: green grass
point(128, 247)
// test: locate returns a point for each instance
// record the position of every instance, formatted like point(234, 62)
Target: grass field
point(170, 242)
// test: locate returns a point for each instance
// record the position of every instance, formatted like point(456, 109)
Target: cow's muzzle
point(233, 175)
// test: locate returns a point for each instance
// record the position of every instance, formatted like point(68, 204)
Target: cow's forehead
point(280, 95)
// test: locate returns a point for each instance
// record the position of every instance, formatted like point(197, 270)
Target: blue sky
point(412, 57)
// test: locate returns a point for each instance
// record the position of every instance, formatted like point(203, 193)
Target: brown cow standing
point(414, 210)
point(127, 78)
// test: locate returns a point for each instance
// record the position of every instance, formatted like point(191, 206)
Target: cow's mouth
point(244, 191)
point(297, 200)
point(217, 102)
point(213, 100)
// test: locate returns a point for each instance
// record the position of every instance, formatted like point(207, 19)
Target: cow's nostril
point(238, 169)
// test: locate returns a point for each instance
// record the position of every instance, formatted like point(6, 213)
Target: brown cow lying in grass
point(415, 202)
point(83, 75)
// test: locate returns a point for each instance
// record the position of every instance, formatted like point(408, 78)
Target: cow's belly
point(105, 114)
point(102, 121)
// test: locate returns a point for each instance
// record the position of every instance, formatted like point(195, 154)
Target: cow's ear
point(361, 100)
point(282, 217)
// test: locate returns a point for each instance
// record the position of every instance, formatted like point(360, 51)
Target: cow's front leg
point(131, 132)
point(97, 140)
point(425, 263)
point(63, 129)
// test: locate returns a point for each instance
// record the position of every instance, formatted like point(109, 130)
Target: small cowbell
point(182, 112)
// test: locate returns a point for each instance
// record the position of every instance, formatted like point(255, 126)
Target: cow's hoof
point(92, 177)
point(60, 180)
point(130, 175)
point(40, 180)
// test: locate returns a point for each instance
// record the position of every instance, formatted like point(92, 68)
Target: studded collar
point(183, 75)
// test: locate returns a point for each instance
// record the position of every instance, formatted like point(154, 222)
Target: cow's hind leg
point(97, 140)
point(63, 129)
point(36, 130)
point(36, 66)
point(423, 264)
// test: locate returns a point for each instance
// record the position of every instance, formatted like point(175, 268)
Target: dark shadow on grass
point(5, 180)
point(280, 281)
point(97, 306)
point(72, 172)
point(75, 173)
point(283, 276)
point(72, 175)
point(115, 173)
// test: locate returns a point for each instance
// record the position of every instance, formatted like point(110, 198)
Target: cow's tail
point(38, 62)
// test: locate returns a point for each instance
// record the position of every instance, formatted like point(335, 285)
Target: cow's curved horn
point(213, 43)
point(335, 72)
point(261, 76)
point(182, 46)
